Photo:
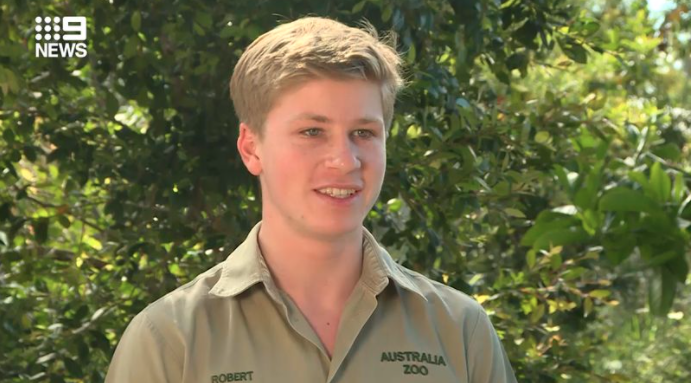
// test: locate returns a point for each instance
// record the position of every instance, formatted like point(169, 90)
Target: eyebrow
point(326, 120)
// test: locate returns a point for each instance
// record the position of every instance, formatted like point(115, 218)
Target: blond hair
point(308, 48)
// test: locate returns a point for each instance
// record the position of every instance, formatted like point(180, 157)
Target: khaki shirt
point(232, 324)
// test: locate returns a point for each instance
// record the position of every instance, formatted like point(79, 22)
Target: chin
point(337, 226)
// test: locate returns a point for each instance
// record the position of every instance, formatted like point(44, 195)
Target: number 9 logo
point(74, 24)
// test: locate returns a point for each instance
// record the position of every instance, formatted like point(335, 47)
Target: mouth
point(338, 193)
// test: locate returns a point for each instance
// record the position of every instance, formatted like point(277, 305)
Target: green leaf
point(678, 192)
point(411, 54)
point(394, 204)
point(93, 242)
point(531, 258)
point(5, 211)
point(576, 52)
point(386, 13)
point(660, 183)
point(517, 61)
point(561, 237)
point(591, 28)
point(542, 137)
point(40, 227)
point(585, 28)
point(661, 258)
point(508, 4)
point(669, 151)
point(661, 292)
point(469, 158)
point(600, 294)
point(112, 105)
point(229, 31)
point(136, 21)
point(175, 269)
point(537, 313)
point(685, 208)
point(618, 246)
point(586, 196)
point(587, 306)
point(560, 172)
point(678, 267)
point(573, 273)
point(8, 135)
point(29, 152)
point(8, 81)
point(81, 312)
point(555, 260)
point(545, 222)
point(98, 340)
point(204, 19)
point(64, 221)
point(621, 199)
point(514, 212)
point(641, 179)
point(131, 47)
point(358, 7)
point(73, 368)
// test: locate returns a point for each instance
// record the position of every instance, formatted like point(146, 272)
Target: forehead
point(330, 101)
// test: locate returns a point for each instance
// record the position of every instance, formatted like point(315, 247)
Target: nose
point(343, 155)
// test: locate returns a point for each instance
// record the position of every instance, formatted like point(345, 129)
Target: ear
point(248, 146)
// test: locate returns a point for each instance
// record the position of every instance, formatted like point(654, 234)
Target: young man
point(310, 296)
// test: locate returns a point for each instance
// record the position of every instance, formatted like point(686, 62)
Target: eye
point(311, 132)
point(364, 133)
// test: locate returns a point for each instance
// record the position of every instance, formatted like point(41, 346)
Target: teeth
point(337, 193)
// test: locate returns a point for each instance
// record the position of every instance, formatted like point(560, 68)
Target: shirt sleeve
point(487, 360)
point(143, 355)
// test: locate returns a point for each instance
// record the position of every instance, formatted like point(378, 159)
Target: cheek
point(285, 166)
point(376, 158)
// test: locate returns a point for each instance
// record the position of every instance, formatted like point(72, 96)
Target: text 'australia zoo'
point(415, 357)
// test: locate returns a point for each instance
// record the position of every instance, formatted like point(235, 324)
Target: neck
point(310, 268)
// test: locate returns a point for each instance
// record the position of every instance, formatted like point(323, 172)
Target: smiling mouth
point(337, 193)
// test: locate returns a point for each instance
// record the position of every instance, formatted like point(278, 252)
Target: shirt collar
point(246, 266)
point(378, 267)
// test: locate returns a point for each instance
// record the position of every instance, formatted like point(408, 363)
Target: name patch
point(232, 377)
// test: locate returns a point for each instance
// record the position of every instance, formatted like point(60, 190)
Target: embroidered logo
point(420, 358)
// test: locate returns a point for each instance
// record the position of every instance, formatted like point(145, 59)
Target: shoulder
point(442, 298)
point(464, 322)
point(460, 317)
point(436, 295)
point(181, 305)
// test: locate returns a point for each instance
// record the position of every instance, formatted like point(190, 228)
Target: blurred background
point(539, 160)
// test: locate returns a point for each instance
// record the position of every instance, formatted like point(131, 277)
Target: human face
point(323, 134)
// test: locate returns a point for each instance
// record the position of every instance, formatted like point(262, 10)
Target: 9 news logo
point(60, 37)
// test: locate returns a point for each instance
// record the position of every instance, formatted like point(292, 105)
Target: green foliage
point(539, 161)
